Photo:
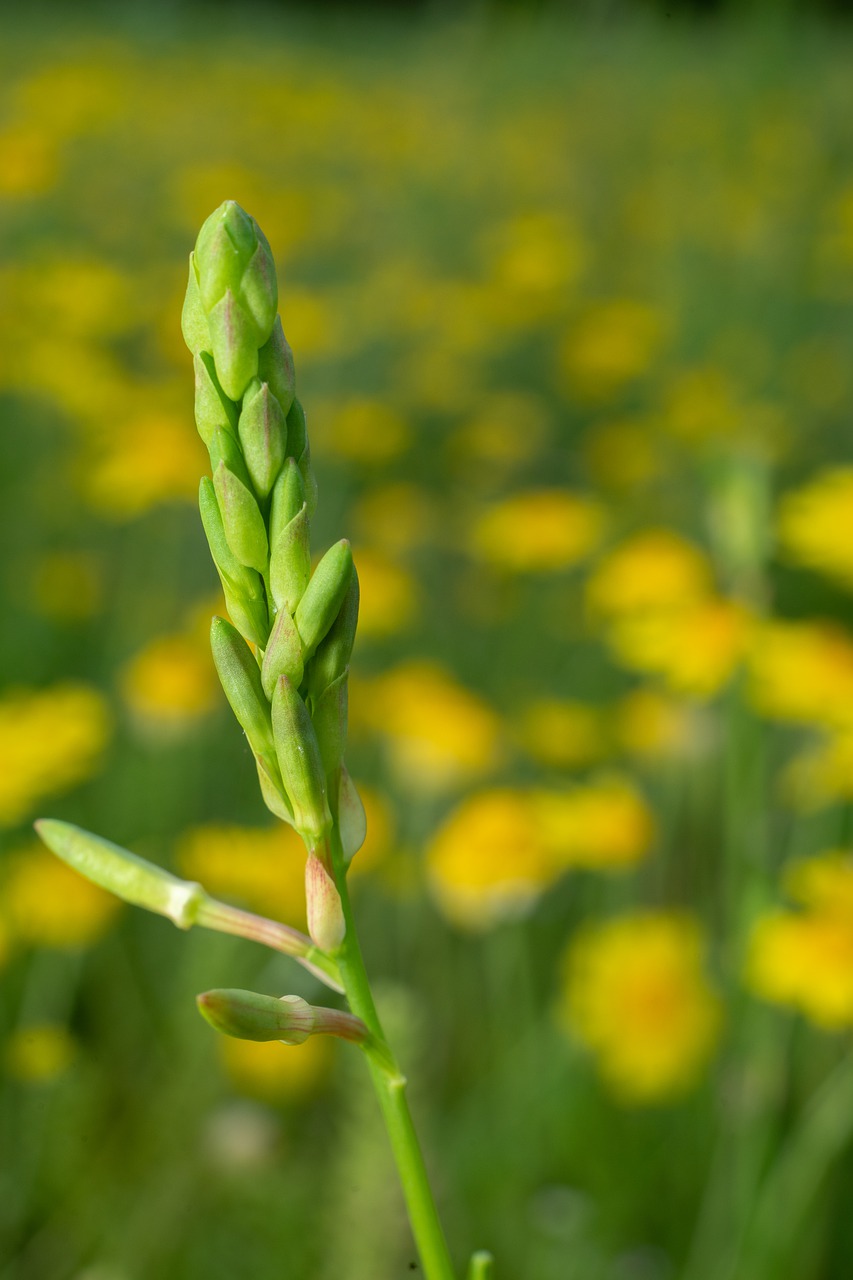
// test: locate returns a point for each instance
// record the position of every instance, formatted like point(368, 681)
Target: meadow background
point(572, 312)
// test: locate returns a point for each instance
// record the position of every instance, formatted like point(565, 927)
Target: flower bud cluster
point(284, 658)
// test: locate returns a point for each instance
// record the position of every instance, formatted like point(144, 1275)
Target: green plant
point(283, 664)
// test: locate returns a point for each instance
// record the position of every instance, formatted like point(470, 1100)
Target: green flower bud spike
point(289, 693)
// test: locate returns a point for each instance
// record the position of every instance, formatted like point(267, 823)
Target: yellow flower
point(804, 959)
point(360, 430)
point(695, 648)
point(150, 460)
point(438, 734)
point(394, 518)
point(487, 862)
point(170, 684)
point(49, 741)
point(39, 1053)
point(540, 530)
point(388, 600)
point(635, 994)
point(822, 773)
point(262, 868)
point(507, 429)
point(604, 824)
point(651, 724)
point(28, 161)
point(275, 1072)
point(802, 671)
point(816, 524)
point(499, 850)
point(537, 253)
point(46, 904)
point(563, 734)
point(612, 344)
point(652, 570)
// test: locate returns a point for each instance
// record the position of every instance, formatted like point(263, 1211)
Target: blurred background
point(570, 292)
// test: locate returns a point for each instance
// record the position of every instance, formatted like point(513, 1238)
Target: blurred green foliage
point(571, 311)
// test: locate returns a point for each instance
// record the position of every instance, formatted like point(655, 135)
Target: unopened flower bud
point(262, 429)
point(247, 1015)
point(300, 763)
point(130, 878)
point(290, 562)
point(335, 649)
point(324, 595)
point(241, 680)
point(352, 820)
point(232, 339)
point(244, 592)
point(213, 410)
point(283, 656)
point(330, 723)
point(324, 910)
point(275, 366)
point(241, 519)
point(287, 500)
point(194, 324)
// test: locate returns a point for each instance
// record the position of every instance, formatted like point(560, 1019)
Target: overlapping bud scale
point(284, 661)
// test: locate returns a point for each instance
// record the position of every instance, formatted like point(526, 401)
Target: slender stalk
point(390, 1086)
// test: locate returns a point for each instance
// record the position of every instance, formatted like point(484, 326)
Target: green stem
point(390, 1086)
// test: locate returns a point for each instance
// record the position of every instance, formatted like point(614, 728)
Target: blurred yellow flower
point(802, 671)
point(46, 904)
point(388, 600)
point(261, 868)
point(507, 428)
point(652, 570)
point(611, 345)
point(148, 461)
point(634, 992)
point(394, 518)
point(563, 734)
point(49, 741)
point(499, 850)
point(804, 959)
point(537, 253)
point(540, 530)
point(275, 1072)
point(438, 734)
point(359, 430)
point(822, 773)
point(29, 163)
point(652, 724)
point(695, 648)
point(816, 524)
point(603, 824)
point(487, 862)
point(170, 684)
point(39, 1053)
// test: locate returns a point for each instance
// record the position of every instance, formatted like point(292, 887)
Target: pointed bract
point(300, 762)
